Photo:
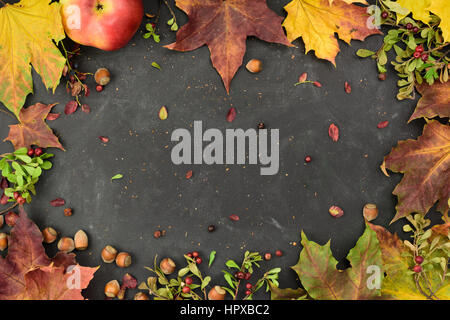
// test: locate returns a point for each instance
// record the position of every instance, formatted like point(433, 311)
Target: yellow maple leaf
point(316, 21)
point(27, 29)
point(441, 8)
point(420, 10)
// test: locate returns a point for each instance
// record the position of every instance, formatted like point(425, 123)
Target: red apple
point(104, 24)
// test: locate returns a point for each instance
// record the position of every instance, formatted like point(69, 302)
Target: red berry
point(384, 14)
point(418, 259)
point(382, 76)
point(21, 200)
point(16, 195)
point(247, 275)
point(249, 286)
point(415, 29)
point(424, 57)
point(30, 152)
point(99, 88)
point(278, 253)
point(308, 159)
point(189, 254)
point(195, 254)
point(186, 289)
point(248, 292)
point(267, 256)
point(417, 269)
point(198, 260)
point(38, 152)
point(419, 48)
point(416, 54)
point(240, 275)
point(317, 84)
point(409, 26)
point(188, 281)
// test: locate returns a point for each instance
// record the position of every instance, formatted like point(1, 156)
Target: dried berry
point(129, 282)
point(104, 139)
point(336, 212)
point(303, 77)
point(347, 87)
point(382, 76)
point(58, 202)
point(231, 115)
point(157, 234)
point(68, 212)
point(261, 125)
point(317, 84)
point(234, 217)
point(382, 124)
point(333, 132)
point(71, 107)
point(85, 108)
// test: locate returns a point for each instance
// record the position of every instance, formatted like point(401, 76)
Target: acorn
point(216, 293)
point(167, 266)
point(102, 76)
point(66, 244)
point(370, 211)
point(254, 66)
point(112, 289)
point(81, 240)
point(49, 234)
point(3, 241)
point(141, 296)
point(123, 260)
point(109, 254)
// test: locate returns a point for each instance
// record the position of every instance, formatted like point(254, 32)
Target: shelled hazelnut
point(141, 296)
point(167, 266)
point(112, 289)
point(81, 240)
point(49, 234)
point(109, 254)
point(216, 293)
point(123, 260)
point(66, 244)
point(102, 76)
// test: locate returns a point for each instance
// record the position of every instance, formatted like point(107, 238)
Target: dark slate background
point(155, 194)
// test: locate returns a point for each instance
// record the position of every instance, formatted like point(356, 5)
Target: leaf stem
point(10, 208)
point(171, 11)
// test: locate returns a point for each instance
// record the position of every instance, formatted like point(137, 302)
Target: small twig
point(171, 11)
point(10, 208)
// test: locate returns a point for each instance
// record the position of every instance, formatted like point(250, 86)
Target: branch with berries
point(422, 55)
point(20, 172)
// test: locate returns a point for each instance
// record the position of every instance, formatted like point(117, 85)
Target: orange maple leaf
point(435, 101)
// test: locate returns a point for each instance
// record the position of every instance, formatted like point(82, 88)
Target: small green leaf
point(174, 27)
point(146, 35)
point(182, 272)
point(229, 280)
point(364, 53)
point(21, 151)
point(156, 38)
point(212, 256)
point(205, 282)
point(149, 27)
point(47, 165)
point(117, 176)
point(170, 21)
point(232, 264)
point(24, 158)
point(155, 65)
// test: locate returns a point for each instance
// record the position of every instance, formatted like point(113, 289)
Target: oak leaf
point(224, 26)
point(425, 163)
point(28, 273)
point(317, 271)
point(316, 21)
point(435, 101)
point(27, 32)
point(32, 129)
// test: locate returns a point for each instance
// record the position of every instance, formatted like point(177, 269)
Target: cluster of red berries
point(418, 53)
point(18, 197)
point(418, 268)
point(410, 27)
point(188, 281)
point(194, 255)
point(35, 152)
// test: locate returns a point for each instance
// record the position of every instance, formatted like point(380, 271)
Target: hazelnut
point(370, 211)
point(216, 293)
point(49, 235)
point(3, 241)
point(66, 244)
point(141, 296)
point(102, 76)
point(81, 240)
point(254, 66)
point(109, 254)
point(167, 266)
point(123, 260)
point(112, 289)
point(11, 218)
